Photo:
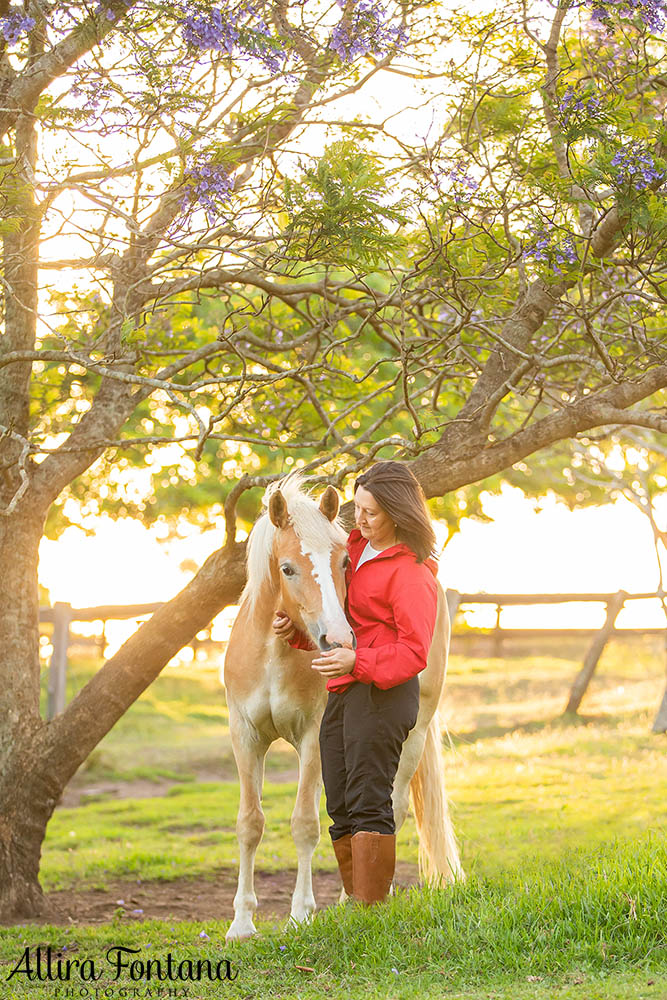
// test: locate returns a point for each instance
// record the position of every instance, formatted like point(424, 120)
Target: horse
point(296, 559)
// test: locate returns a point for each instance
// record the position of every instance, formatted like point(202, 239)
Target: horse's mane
point(309, 524)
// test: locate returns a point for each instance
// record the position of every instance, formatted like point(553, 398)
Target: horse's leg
point(408, 764)
point(306, 823)
point(249, 751)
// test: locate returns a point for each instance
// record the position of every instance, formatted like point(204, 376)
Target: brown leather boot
point(343, 850)
point(373, 863)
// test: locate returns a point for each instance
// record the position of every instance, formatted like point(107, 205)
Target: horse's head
point(308, 563)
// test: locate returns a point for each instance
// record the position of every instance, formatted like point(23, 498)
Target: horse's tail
point(438, 849)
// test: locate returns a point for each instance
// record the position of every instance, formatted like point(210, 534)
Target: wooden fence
point(62, 616)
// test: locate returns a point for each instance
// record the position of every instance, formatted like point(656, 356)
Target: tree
point(253, 266)
point(631, 463)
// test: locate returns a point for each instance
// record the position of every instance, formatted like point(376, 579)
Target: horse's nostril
point(324, 643)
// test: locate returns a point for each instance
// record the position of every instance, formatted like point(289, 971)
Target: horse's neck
point(264, 605)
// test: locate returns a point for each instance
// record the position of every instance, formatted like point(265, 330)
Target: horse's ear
point(278, 509)
point(329, 503)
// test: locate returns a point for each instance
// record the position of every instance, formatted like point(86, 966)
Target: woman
point(373, 689)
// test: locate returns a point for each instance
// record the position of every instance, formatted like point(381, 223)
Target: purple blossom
point(210, 31)
point(15, 24)
point(635, 167)
point(462, 181)
point(208, 186)
point(458, 181)
point(239, 31)
point(90, 93)
point(574, 104)
point(652, 13)
point(545, 247)
point(365, 30)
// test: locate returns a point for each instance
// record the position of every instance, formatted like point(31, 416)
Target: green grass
point(593, 926)
point(561, 822)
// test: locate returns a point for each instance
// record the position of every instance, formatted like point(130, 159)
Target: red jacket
point(391, 605)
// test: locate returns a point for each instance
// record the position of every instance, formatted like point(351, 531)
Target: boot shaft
point(373, 864)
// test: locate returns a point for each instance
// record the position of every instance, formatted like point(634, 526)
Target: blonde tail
point(438, 849)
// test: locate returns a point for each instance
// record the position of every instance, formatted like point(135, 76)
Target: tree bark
point(25, 800)
point(40, 758)
point(28, 796)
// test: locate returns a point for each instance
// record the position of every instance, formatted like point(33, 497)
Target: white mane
point(309, 524)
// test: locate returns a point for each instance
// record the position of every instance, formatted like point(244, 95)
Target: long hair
point(399, 494)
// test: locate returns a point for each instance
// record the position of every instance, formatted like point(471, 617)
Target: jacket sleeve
point(414, 600)
point(301, 641)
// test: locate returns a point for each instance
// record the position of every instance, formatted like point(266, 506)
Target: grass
point(591, 927)
point(562, 825)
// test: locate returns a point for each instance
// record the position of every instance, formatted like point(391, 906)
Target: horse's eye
point(287, 570)
point(346, 562)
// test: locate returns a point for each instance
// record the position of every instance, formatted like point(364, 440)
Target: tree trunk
point(28, 796)
point(37, 759)
point(25, 800)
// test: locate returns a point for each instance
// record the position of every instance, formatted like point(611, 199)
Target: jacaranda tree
point(224, 257)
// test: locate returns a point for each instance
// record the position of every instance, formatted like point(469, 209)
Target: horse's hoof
point(241, 931)
point(302, 915)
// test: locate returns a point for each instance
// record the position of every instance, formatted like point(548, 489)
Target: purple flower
point(652, 13)
point(458, 182)
point(207, 186)
point(545, 247)
point(15, 24)
point(238, 31)
point(366, 30)
point(635, 167)
point(210, 31)
point(462, 181)
point(574, 104)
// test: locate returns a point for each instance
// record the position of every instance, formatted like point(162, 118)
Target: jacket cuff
point(301, 641)
point(364, 665)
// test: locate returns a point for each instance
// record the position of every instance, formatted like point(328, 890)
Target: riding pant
point(361, 737)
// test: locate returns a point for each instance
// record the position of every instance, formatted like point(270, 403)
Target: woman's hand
point(335, 662)
point(283, 626)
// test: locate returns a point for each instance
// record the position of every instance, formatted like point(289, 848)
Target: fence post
point(660, 724)
point(453, 601)
point(582, 680)
point(497, 634)
point(62, 615)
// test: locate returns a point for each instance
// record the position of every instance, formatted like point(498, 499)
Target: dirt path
point(190, 898)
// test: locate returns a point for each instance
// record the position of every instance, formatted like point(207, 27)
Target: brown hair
point(399, 494)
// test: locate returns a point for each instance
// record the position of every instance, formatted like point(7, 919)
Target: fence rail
point(61, 616)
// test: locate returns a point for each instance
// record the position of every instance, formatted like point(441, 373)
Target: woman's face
point(373, 522)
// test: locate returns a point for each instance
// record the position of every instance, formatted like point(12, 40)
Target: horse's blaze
point(315, 596)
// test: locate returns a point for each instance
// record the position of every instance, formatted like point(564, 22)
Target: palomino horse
point(296, 564)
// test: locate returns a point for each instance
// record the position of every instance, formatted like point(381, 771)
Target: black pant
point(361, 737)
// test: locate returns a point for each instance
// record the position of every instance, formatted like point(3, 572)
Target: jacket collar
point(356, 544)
